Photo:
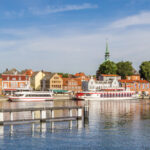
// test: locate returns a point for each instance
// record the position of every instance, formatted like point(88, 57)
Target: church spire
point(107, 52)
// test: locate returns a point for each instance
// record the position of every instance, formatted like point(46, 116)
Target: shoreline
point(3, 98)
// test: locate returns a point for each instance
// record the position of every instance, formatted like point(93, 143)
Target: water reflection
point(118, 113)
point(106, 123)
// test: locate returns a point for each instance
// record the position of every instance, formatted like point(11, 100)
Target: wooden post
point(11, 130)
point(52, 122)
point(43, 116)
point(79, 112)
point(11, 116)
point(1, 118)
point(70, 112)
point(70, 122)
point(32, 115)
point(32, 129)
point(79, 124)
point(79, 121)
point(52, 114)
point(1, 131)
point(43, 126)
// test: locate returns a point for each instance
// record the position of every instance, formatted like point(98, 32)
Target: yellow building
point(52, 82)
point(36, 80)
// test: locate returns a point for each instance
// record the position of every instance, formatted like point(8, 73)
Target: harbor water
point(107, 125)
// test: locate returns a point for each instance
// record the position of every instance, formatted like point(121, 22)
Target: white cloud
point(57, 9)
point(14, 13)
point(83, 51)
point(40, 48)
point(139, 19)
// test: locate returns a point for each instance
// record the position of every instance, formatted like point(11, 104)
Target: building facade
point(36, 80)
point(96, 85)
point(11, 82)
point(135, 83)
point(72, 84)
point(52, 81)
point(109, 77)
point(0, 86)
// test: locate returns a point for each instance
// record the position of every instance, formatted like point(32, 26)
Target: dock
point(79, 114)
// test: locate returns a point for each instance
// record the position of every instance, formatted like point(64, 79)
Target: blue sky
point(70, 35)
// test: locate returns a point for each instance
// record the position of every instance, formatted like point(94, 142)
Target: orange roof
point(29, 72)
point(133, 75)
point(131, 81)
point(109, 75)
point(80, 74)
point(60, 75)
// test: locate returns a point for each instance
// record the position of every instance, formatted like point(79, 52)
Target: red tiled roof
point(80, 74)
point(131, 81)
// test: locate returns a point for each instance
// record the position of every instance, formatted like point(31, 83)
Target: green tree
point(108, 67)
point(65, 75)
point(124, 69)
point(145, 70)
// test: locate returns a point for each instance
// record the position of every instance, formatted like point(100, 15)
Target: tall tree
point(108, 67)
point(145, 70)
point(124, 69)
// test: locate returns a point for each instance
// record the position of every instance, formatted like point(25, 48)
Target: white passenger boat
point(117, 94)
point(32, 96)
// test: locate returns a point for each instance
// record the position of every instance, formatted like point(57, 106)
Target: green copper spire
point(107, 52)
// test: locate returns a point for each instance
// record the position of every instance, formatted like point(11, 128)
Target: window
point(13, 79)
point(139, 85)
point(135, 85)
point(21, 85)
point(147, 85)
point(143, 86)
point(7, 78)
point(5, 85)
point(13, 84)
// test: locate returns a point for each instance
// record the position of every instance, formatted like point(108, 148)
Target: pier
point(79, 114)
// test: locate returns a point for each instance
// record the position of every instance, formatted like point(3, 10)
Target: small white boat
point(32, 96)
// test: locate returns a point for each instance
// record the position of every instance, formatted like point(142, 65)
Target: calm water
point(108, 125)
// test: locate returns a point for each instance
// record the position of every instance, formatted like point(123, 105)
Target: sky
point(70, 35)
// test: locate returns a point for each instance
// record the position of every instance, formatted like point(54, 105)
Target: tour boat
point(107, 95)
point(32, 96)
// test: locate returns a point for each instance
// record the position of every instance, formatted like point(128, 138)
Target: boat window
point(38, 95)
point(18, 94)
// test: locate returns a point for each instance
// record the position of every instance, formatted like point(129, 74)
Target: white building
point(106, 82)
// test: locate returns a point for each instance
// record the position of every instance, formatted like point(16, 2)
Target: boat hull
point(122, 98)
point(16, 99)
point(107, 96)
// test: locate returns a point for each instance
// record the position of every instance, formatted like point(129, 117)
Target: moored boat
point(107, 95)
point(32, 96)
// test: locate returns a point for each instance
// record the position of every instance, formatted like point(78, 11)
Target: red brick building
point(135, 83)
point(72, 84)
point(12, 82)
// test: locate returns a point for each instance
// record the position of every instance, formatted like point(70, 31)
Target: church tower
point(107, 52)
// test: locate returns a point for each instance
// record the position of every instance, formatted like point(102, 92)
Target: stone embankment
point(3, 98)
point(145, 97)
point(62, 96)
